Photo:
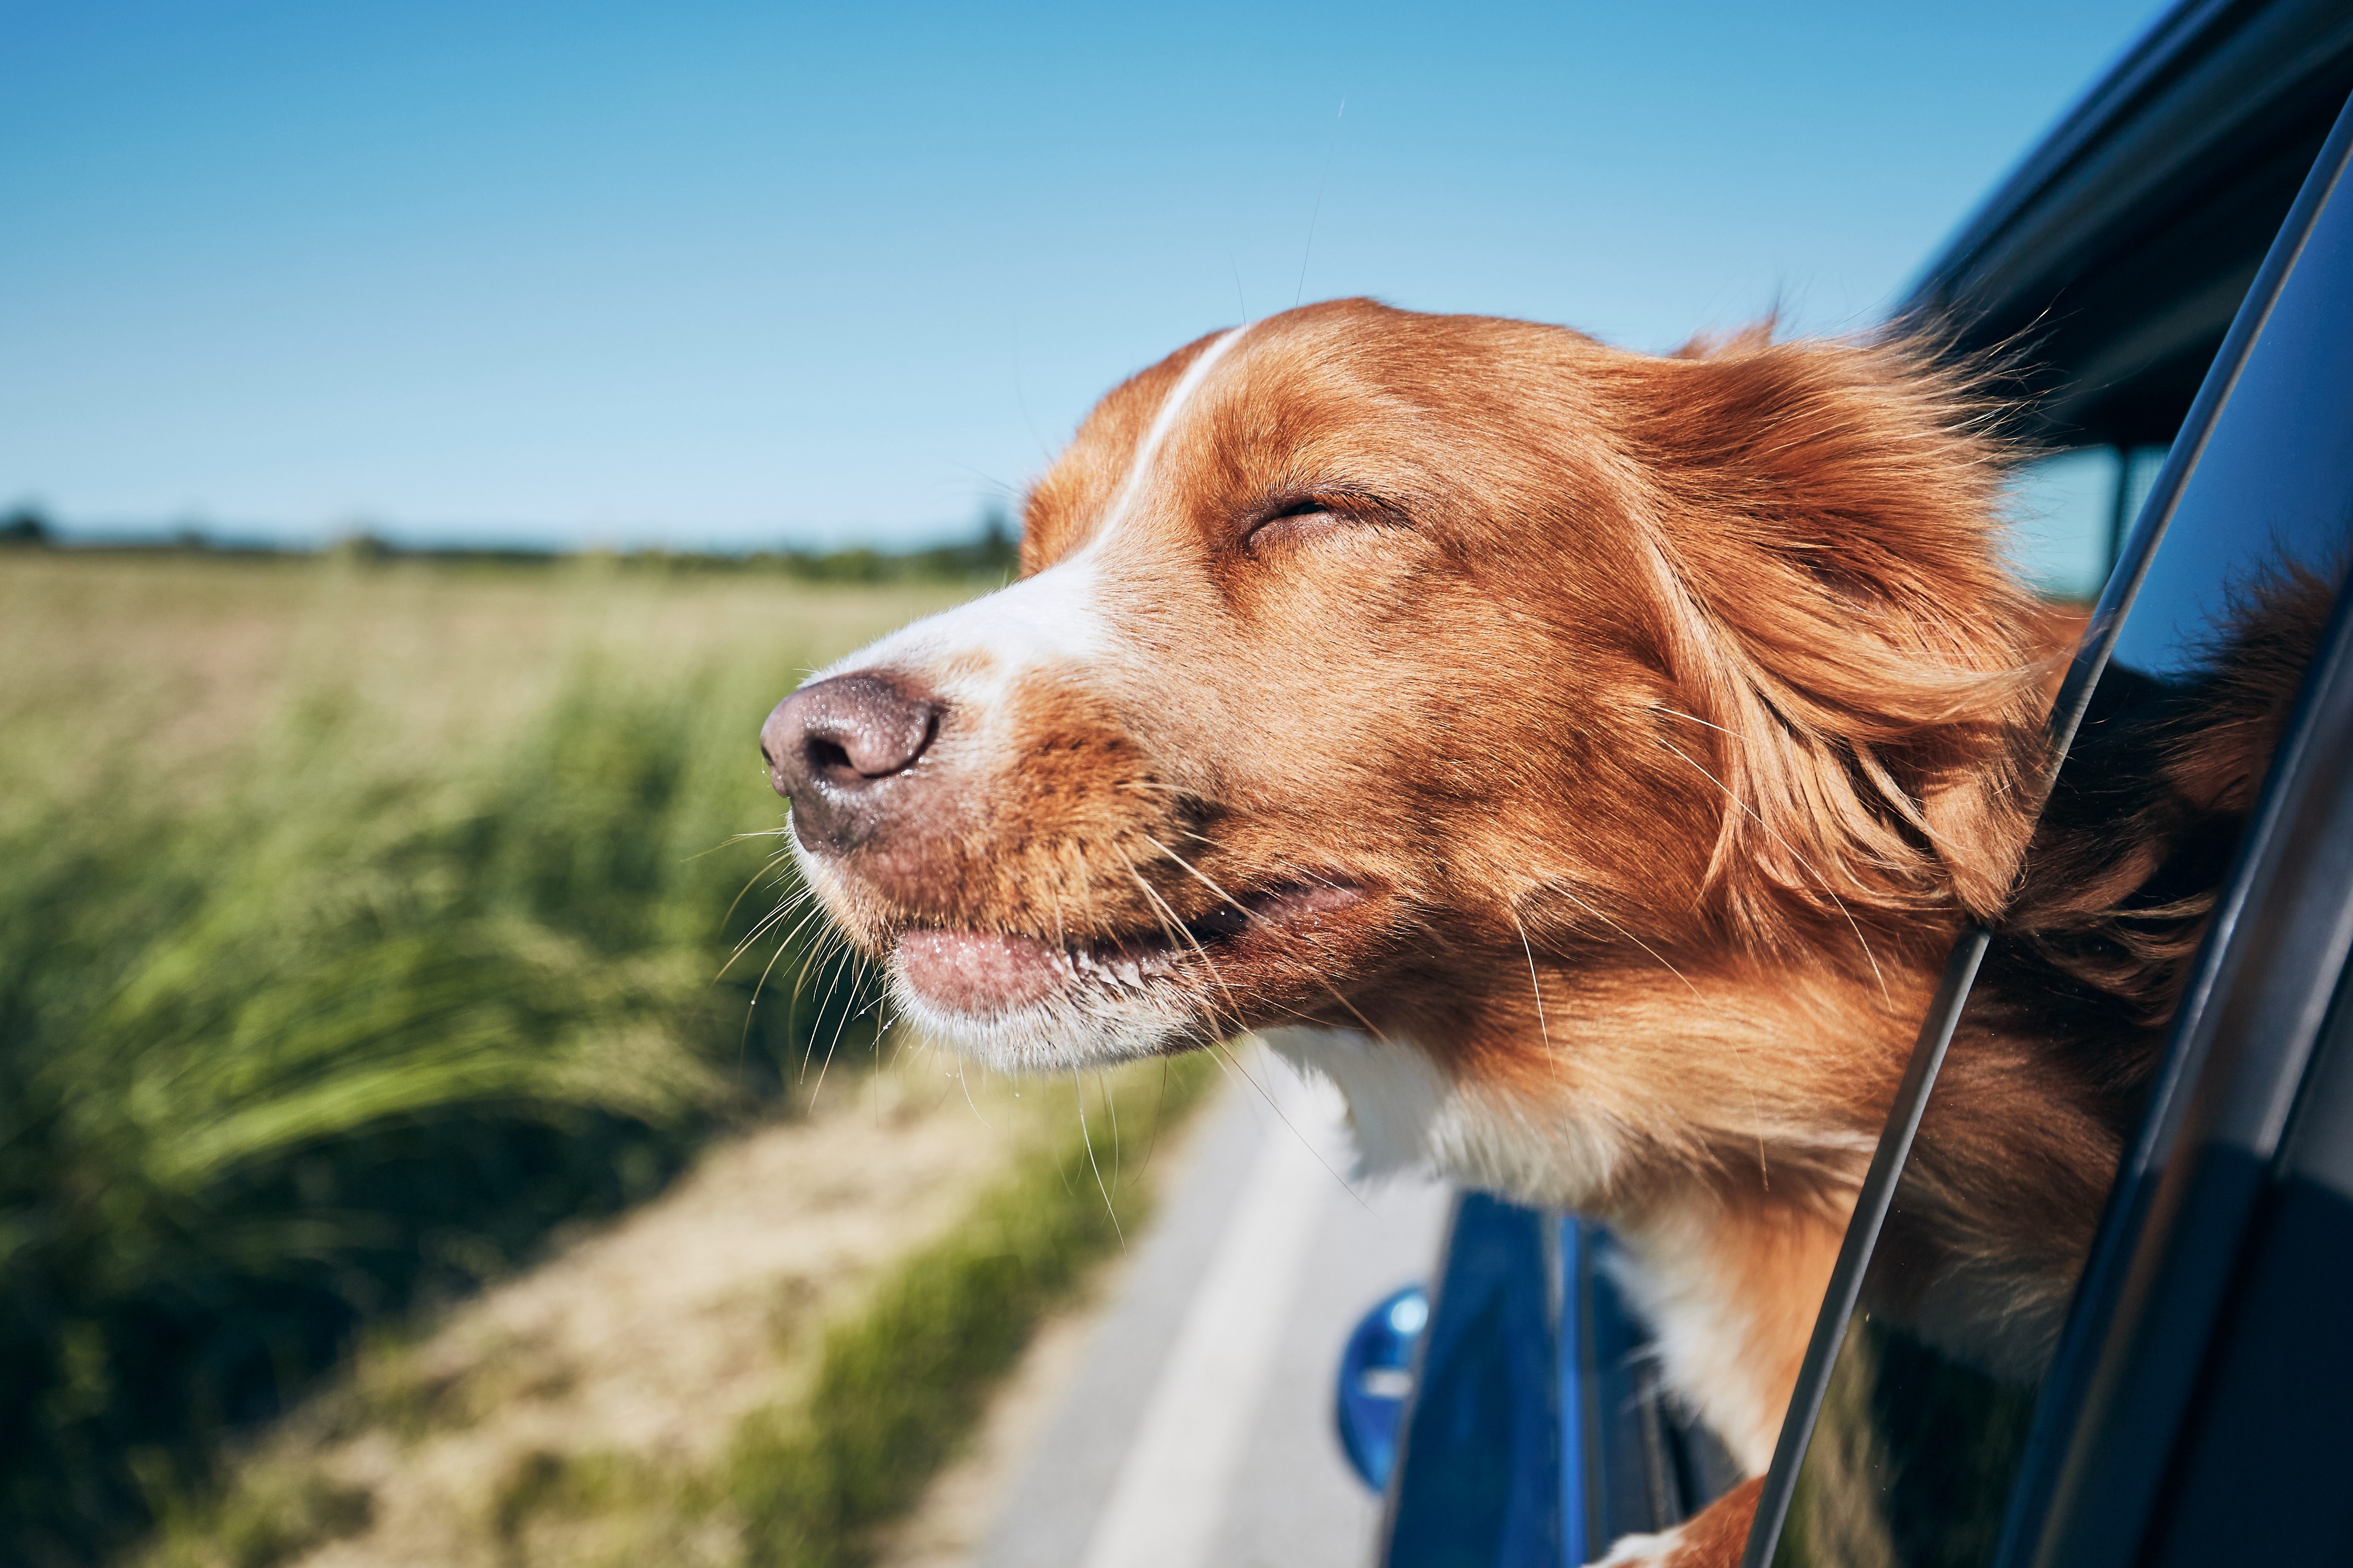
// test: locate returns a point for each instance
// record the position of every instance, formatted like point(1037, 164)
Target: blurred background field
point(360, 921)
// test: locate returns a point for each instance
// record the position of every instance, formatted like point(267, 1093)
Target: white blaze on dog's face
point(1358, 669)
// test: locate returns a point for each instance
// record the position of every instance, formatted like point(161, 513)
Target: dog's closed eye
point(1297, 518)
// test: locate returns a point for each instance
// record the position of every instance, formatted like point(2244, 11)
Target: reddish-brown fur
point(1654, 723)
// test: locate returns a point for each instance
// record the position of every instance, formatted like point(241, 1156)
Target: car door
point(2201, 1354)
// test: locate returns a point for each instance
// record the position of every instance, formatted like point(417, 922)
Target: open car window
point(1929, 1387)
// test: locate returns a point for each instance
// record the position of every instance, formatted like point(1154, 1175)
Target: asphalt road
point(1199, 1427)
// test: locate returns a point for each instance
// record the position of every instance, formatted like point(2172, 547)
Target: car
point(2172, 268)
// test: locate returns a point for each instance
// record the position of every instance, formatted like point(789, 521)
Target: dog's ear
point(1860, 666)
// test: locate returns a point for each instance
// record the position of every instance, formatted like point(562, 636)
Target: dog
point(1583, 758)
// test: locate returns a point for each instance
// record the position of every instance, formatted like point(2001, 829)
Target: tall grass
point(870, 1404)
point(353, 1020)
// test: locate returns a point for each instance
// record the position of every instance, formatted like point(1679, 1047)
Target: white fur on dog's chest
point(1410, 1114)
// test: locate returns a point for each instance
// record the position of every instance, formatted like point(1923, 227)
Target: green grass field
point(472, 1445)
point(358, 924)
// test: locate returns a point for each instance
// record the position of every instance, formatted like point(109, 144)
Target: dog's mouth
point(981, 973)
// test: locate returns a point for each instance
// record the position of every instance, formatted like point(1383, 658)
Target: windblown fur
point(1585, 759)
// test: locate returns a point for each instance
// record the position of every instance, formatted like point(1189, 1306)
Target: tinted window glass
point(1933, 1390)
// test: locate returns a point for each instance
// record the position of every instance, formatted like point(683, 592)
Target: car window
point(1928, 1401)
point(2068, 512)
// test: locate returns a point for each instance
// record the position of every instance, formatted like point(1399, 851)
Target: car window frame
point(2099, 1288)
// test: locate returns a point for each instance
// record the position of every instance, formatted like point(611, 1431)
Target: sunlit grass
point(356, 926)
point(870, 1400)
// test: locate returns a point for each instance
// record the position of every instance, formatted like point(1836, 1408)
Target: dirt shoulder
point(583, 1411)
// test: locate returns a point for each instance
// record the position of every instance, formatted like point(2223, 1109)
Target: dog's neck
point(1408, 1114)
point(1609, 1090)
point(1728, 1223)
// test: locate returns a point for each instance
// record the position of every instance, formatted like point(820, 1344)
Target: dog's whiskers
point(1252, 915)
point(815, 911)
point(1533, 984)
point(966, 1085)
point(1195, 872)
point(751, 881)
point(1110, 1106)
point(1175, 930)
point(762, 926)
point(857, 966)
point(1304, 1141)
point(838, 957)
point(1086, 1136)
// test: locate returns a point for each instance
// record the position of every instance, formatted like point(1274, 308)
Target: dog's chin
point(1018, 1000)
point(1020, 1003)
point(1074, 1028)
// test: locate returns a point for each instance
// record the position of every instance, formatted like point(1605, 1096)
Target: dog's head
point(1365, 663)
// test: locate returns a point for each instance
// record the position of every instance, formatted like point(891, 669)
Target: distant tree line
point(993, 553)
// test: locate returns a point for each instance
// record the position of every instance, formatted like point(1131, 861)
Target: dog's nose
point(834, 746)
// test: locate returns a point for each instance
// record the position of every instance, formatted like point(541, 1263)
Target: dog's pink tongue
point(978, 971)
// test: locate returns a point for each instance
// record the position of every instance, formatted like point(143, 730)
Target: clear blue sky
point(739, 274)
